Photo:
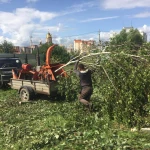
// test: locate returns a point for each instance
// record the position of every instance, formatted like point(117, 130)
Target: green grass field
point(54, 124)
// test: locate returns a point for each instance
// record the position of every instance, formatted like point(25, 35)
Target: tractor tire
point(26, 94)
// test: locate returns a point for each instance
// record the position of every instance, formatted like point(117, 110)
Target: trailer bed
point(41, 87)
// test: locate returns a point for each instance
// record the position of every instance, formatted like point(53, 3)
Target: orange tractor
point(41, 79)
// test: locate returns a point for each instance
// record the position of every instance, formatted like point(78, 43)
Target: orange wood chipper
point(41, 79)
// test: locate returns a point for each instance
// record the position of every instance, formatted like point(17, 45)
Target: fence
point(26, 58)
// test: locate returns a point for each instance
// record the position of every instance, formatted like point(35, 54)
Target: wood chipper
point(41, 79)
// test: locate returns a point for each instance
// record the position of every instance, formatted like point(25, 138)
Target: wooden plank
point(43, 89)
point(41, 84)
point(27, 84)
point(20, 84)
point(17, 84)
point(15, 87)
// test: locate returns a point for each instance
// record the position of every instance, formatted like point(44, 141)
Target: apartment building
point(83, 45)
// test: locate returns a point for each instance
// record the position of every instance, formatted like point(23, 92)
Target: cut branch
point(109, 78)
point(95, 54)
point(89, 55)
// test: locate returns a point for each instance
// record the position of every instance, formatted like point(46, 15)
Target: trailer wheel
point(26, 94)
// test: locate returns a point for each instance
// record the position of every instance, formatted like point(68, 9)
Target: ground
point(54, 124)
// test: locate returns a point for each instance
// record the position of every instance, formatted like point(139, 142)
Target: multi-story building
point(83, 46)
point(16, 49)
point(144, 35)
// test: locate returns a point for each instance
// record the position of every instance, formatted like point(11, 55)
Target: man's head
point(81, 67)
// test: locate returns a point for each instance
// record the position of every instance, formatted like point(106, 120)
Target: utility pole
point(31, 43)
point(38, 57)
point(99, 45)
point(99, 37)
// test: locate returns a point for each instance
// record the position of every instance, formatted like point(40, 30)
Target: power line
point(81, 34)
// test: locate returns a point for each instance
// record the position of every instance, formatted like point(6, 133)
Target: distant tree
point(6, 47)
point(127, 41)
point(119, 38)
point(135, 38)
point(43, 48)
point(59, 54)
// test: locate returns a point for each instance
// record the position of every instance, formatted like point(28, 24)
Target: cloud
point(18, 25)
point(98, 19)
point(83, 5)
point(30, 14)
point(104, 36)
point(79, 7)
point(142, 15)
point(23, 22)
point(145, 28)
point(124, 4)
point(4, 1)
point(30, 1)
point(68, 41)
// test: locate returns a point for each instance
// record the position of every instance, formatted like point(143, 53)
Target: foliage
point(121, 82)
point(126, 89)
point(6, 47)
point(69, 87)
point(57, 125)
point(121, 99)
point(127, 41)
point(59, 53)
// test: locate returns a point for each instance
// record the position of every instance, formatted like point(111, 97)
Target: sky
point(66, 20)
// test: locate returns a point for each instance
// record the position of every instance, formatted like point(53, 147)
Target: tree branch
point(109, 78)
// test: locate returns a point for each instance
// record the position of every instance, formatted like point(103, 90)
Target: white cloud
point(23, 22)
point(83, 6)
point(79, 7)
point(30, 1)
point(142, 15)
point(30, 14)
point(5, 1)
point(98, 19)
point(145, 28)
point(18, 25)
point(125, 4)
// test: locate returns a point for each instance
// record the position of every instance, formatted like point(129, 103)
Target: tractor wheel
point(26, 94)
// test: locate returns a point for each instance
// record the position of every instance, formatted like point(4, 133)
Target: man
point(86, 84)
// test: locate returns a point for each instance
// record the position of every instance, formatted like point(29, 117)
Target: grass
point(54, 124)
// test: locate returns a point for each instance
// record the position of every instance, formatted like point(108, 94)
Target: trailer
point(30, 81)
point(28, 89)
